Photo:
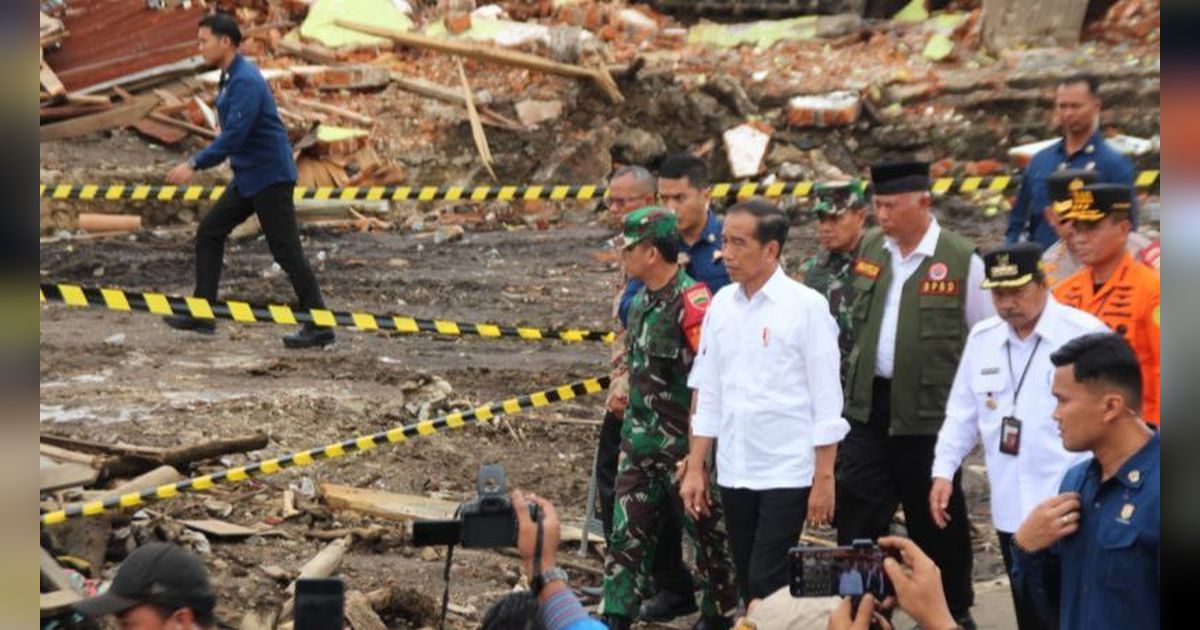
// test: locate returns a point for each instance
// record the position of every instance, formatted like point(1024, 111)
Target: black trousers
point(877, 472)
point(762, 525)
point(1027, 617)
point(276, 212)
point(670, 572)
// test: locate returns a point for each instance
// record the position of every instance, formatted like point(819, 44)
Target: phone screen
point(839, 571)
point(319, 604)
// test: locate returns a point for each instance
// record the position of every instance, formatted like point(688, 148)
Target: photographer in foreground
point(918, 585)
point(537, 542)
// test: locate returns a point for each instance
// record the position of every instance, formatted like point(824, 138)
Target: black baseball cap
point(1011, 265)
point(891, 178)
point(157, 573)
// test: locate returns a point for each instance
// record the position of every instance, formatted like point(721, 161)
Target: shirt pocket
point(1118, 555)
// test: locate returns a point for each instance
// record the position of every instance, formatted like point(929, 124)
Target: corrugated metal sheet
point(113, 38)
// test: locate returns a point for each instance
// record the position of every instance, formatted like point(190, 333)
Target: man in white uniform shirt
point(768, 389)
point(917, 295)
point(1001, 395)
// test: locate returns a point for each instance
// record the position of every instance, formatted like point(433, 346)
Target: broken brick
point(458, 22)
point(834, 109)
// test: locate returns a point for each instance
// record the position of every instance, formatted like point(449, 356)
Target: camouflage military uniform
point(829, 274)
point(654, 437)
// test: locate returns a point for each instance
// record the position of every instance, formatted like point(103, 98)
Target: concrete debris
point(634, 145)
point(745, 148)
point(533, 112)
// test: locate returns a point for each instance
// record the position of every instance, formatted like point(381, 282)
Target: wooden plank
point(186, 126)
point(220, 529)
point(359, 614)
point(481, 143)
point(309, 52)
point(66, 476)
point(58, 602)
point(334, 110)
point(50, 82)
point(406, 507)
point(159, 132)
point(64, 455)
point(599, 75)
point(115, 117)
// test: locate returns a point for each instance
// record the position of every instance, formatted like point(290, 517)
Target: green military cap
point(1061, 185)
point(838, 197)
point(1013, 265)
point(649, 222)
point(1094, 202)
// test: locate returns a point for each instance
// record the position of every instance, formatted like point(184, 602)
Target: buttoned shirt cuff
point(944, 468)
point(562, 609)
point(830, 431)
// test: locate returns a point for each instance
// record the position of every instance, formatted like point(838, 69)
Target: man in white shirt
point(1001, 395)
point(768, 389)
point(917, 294)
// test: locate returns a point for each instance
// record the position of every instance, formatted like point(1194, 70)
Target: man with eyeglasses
point(629, 188)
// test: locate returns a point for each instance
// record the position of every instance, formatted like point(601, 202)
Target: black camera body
point(485, 522)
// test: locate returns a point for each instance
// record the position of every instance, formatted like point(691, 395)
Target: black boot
point(665, 606)
point(183, 322)
point(309, 337)
point(713, 623)
point(617, 622)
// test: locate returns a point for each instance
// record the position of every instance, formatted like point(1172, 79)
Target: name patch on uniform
point(939, 287)
point(990, 370)
point(866, 268)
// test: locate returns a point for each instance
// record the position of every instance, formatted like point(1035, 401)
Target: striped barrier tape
point(244, 312)
point(145, 192)
point(330, 451)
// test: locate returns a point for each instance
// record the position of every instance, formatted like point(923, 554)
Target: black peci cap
point(890, 178)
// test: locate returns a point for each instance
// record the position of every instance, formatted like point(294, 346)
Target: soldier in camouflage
point(841, 210)
point(661, 342)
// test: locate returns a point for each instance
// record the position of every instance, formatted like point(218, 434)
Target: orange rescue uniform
point(1128, 304)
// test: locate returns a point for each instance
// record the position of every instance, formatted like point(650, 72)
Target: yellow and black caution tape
point(330, 451)
point(144, 192)
point(244, 312)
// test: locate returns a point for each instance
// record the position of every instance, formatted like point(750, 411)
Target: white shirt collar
point(928, 242)
point(769, 289)
point(1047, 327)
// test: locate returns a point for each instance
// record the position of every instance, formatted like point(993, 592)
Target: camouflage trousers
point(644, 489)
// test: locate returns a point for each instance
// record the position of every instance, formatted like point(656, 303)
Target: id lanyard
point(1024, 373)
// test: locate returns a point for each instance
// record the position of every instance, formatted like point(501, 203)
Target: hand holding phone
point(850, 571)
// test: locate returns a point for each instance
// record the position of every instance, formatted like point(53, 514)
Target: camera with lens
point(487, 521)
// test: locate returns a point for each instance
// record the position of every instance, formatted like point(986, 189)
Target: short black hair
point(515, 611)
point(772, 222)
point(223, 24)
point(686, 165)
point(1093, 83)
point(668, 246)
point(1104, 357)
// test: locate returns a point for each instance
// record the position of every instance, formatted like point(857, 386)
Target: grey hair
point(640, 175)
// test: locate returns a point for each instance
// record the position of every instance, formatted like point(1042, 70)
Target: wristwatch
point(545, 577)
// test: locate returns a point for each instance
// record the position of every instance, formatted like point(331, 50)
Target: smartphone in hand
point(850, 571)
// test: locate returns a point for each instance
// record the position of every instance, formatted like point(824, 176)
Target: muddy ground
point(112, 377)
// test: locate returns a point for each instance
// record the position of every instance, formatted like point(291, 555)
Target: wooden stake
point(599, 75)
point(481, 143)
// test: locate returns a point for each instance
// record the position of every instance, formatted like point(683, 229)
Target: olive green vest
point(931, 332)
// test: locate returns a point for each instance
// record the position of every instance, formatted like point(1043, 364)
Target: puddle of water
point(60, 413)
